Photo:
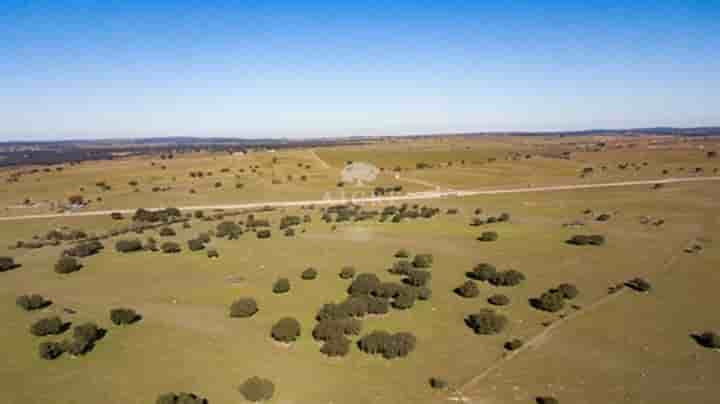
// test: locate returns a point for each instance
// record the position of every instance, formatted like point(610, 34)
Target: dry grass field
point(621, 347)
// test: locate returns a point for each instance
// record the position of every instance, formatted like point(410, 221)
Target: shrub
point(309, 274)
point(708, 339)
point(499, 300)
point(76, 346)
point(126, 246)
point(405, 299)
point(546, 400)
point(401, 267)
point(595, 239)
point(424, 293)
point(504, 217)
point(195, 245)
point(568, 291)
point(167, 232)
point(549, 301)
point(85, 249)
point(50, 350)
point(32, 302)
point(488, 236)
point(204, 237)
point(347, 272)
point(639, 284)
point(337, 346)
point(66, 265)
point(282, 285)
point(256, 389)
point(180, 398)
point(388, 345)
point(286, 330)
point(289, 232)
point(170, 247)
point(603, 217)
point(402, 253)
point(510, 277)
point(388, 290)
point(212, 253)
point(7, 263)
point(228, 229)
point(482, 272)
point(513, 344)
point(244, 307)
point(123, 316)
point(88, 332)
point(265, 233)
point(47, 326)
point(417, 277)
point(468, 289)
point(486, 322)
point(437, 383)
point(423, 261)
point(364, 284)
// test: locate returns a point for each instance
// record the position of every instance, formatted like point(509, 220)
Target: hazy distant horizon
point(280, 69)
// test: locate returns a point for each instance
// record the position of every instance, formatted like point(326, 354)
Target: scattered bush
point(347, 272)
point(88, 332)
point(66, 265)
point(513, 344)
point(338, 346)
point(482, 272)
point(167, 232)
point(126, 246)
point(228, 229)
point(7, 263)
point(286, 330)
point(486, 322)
point(195, 245)
point(603, 217)
point(212, 253)
point(488, 236)
point(170, 247)
point(438, 384)
point(639, 284)
point(50, 350)
point(423, 261)
point(424, 293)
point(510, 277)
point(364, 284)
point(32, 302)
point(401, 268)
point(568, 291)
point(468, 289)
point(85, 249)
point(245, 307)
point(265, 233)
point(256, 389)
point(708, 339)
point(405, 299)
point(499, 300)
point(595, 239)
point(180, 398)
point(388, 345)
point(546, 400)
point(47, 326)
point(282, 285)
point(123, 316)
point(551, 301)
point(402, 253)
point(417, 277)
point(309, 274)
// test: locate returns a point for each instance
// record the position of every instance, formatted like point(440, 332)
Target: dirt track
point(399, 198)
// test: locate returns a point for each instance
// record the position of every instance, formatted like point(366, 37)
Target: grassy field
point(630, 348)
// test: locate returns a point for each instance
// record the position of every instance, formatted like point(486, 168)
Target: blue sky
point(98, 69)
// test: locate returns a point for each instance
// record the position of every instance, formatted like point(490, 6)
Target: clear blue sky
point(93, 69)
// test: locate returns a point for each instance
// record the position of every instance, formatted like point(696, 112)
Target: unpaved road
point(378, 199)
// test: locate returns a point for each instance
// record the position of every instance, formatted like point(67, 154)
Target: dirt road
point(377, 199)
